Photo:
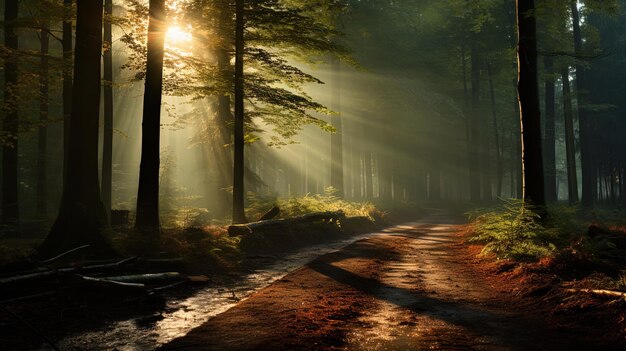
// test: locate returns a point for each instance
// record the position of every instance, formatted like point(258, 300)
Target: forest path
point(406, 288)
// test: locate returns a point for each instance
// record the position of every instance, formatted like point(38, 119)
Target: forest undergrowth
point(573, 263)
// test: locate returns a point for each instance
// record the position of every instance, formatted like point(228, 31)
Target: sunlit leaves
point(278, 32)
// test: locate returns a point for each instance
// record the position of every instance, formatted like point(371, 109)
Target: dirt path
point(405, 289)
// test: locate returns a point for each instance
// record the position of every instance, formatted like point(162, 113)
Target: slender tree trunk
point(570, 150)
point(474, 166)
point(517, 157)
point(82, 218)
point(107, 143)
point(42, 146)
point(549, 147)
point(67, 77)
point(222, 153)
point(148, 192)
point(528, 94)
point(10, 122)
point(367, 175)
point(349, 191)
point(589, 181)
point(496, 134)
point(238, 169)
point(336, 139)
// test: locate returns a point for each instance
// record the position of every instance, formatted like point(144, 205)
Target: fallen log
point(51, 272)
point(108, 284)
point(249, 228)
point(144, 278)
point(271, 214)
point(599, 292)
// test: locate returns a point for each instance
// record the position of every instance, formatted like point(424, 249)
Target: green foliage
point(297, 206)
point(513, 231)
point(278, 33)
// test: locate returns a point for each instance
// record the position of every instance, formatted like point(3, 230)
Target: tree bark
point(496, 134)
point(528, 95)
point(41, 188)
point(148, 193)
point(368, 175)
point(589, 187)
point(238, 169)
point(474, 162)
point(570, 149)
point(107, 143)
point(336, 139)
point(67, 78)
point(549, 146)
point(10, 122)
point(82, 218)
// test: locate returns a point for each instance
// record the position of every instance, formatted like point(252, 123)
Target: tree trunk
point(238, 169)
point(148, 194)
point(496, 134)
point(10, 122)
point(222, 153)
point(368, 178)
point(587, 166)
point(336, 140)
point(549, 146)
point(42, 145)
point(82, 218)
point(474, 162)
point(67, 78)
point(107, 143)
point(528, 95)
point(570, 149)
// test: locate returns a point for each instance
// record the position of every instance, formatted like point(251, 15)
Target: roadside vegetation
point(573, 264)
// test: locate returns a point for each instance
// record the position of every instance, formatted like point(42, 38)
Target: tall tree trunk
point(238, 169)
point(570, 149)
point(589, 181)
point(67, 78)
point(517, 156)
point(148, 193)
point(10, 123)
point(474, 149)
point(367, 175)
point(349, 186)
point(82, 218)
point(549, 145)
point(222, 145)
point(42, 145)
point(336, 139)
point(107, 143)
point(496, 134)
point(223, 154)
point(528, 95)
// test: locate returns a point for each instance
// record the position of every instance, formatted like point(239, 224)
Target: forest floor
point(415, 286)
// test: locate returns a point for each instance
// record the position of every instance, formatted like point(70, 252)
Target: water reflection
point(182, 315)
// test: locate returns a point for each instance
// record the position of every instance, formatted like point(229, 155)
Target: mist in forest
point(400, 102)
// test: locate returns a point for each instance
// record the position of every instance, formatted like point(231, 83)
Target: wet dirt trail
point(404, 289)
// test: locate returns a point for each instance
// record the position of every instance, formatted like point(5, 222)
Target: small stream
point(182, 315)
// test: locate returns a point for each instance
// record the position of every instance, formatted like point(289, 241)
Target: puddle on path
point(182, 315)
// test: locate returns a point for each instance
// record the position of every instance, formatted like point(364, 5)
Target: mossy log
point(249, 228)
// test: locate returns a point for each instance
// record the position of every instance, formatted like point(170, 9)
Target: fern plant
point(513, 231)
